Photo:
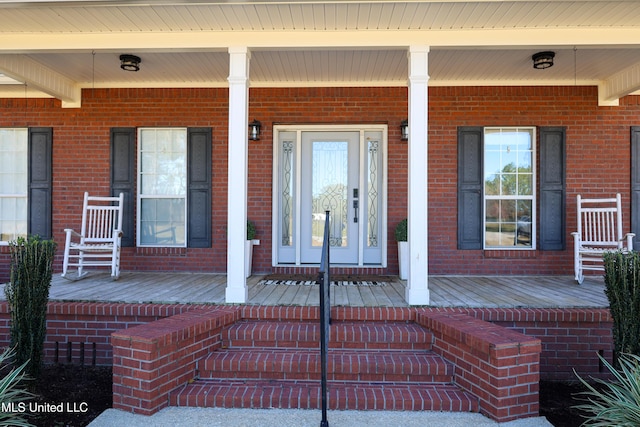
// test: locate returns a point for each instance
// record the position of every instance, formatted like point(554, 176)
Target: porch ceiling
point(59, 47)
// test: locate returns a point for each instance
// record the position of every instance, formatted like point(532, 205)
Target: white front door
point(340, 169)
point(330, 183)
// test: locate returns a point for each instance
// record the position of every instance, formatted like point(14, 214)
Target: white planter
point(248, 259)
point(403, 259)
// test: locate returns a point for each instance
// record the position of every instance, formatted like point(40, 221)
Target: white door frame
point(364, 130)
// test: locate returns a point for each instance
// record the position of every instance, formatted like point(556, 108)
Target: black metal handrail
point(324, 280)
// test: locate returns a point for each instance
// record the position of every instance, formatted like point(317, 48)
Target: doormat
point(336, 280)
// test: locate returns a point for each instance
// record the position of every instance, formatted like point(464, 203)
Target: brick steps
point(371, 365)
point(307, 395)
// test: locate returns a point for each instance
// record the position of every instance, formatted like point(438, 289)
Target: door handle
point(355, 211)
point(355, 205)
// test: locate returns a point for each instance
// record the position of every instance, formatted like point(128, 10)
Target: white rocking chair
point(599, 231)
point(98, 243)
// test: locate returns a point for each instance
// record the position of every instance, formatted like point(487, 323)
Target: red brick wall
point(501, 367)
point(151, 360)
point(571, 338)
point(72, 325)
point(598, 152)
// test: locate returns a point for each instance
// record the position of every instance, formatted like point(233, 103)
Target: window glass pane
point(147, 140)
point(286, 197)
point(372, 192)
point(509, 183)
point(148, 162)
point(147, 184)
point(492, 184)
point(524, 225)
point(508, 159)
point(163, 140)
point(524, 160)
point(492, 211)
point(330, 191)
point(525, 184)
point(508, 211)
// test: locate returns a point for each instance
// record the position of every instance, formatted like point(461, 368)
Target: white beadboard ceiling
point(57, 47)
point(132, 16)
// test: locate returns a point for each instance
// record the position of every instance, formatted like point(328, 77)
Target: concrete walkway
point(213, 417)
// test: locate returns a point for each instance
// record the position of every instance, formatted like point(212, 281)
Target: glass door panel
point(330, 183)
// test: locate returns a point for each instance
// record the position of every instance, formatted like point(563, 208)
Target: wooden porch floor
point(445, 291)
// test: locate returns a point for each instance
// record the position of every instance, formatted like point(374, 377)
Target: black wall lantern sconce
point(254, 130)
point(130, 62)
point(542, 60)
point(404, 130)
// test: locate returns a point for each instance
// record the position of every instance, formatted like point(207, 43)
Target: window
point(162, 184)
point(13, 183)
point(509, 188)
point(508, 173)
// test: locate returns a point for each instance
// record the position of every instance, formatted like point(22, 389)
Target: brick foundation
point(76, 325)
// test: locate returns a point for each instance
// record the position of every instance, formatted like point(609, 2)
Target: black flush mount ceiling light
point(130, 62)
point(542, 60)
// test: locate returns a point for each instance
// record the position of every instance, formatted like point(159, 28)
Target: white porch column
point(236, 291)
point(417, 292)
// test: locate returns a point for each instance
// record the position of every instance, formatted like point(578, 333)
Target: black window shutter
point(635, 184)
point(470, 146)
point(40, 182)
point(552, 189)
point(199, 188)
point(123, 178)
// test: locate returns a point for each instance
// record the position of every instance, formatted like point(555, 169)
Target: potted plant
point(401, 234)
point(251, 241)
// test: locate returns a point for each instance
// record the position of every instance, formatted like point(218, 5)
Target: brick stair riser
point(347, 336)
point(342, 396)
point(301, 376)
point(342, 365)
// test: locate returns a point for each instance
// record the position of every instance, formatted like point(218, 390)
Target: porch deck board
point(445, 291)
point(394, 294)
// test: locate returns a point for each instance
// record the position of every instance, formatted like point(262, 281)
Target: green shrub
point(617, 402)
point(28, 295)
point(12, 393)
point(401, 231)
point(251, 230)
point(622, 287)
